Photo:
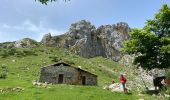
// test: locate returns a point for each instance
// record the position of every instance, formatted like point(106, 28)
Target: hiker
point(123, 82)
point(155, 81)
point(161, 84)
point(158, 82)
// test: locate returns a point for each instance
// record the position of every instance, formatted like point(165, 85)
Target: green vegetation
point(21, 71)
point(7, 44)
point(59, 38)
point(16, 52)
point(151, 45)
point(68, 92)
point(168, 73)
point(3, 72)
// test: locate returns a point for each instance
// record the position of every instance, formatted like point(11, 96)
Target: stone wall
point(71, 75)
point(90, 78)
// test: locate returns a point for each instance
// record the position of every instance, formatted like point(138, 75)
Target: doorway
point(60, 78)
point(83, 80)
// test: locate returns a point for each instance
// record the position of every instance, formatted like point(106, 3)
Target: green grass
point(69, 92)
point(21, 70)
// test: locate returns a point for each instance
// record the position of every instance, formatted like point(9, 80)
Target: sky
point(29, 19)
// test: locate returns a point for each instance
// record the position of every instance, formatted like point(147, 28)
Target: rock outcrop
point(25, 43)
point(83, 39)
point(47, 39)
point(112, 37)
point(59, 41)
point(139, 77)
point(7, 45)
point(87, 41)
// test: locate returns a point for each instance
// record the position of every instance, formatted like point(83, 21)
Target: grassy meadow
point(19, 67)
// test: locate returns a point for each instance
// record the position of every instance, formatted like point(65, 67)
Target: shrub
point(168, 74)
point(29, 52)
point(3, 71)
point(3, 75)
point(16, 52)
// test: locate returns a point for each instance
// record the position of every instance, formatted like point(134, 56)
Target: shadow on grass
point(151, 92)
point(129, 93)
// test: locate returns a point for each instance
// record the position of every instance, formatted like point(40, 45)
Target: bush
point(16, 52)
point(29, 52)
point(3, 71)
point(3, 75)
point(7, 52)
point(4, 53)
point(168, 74)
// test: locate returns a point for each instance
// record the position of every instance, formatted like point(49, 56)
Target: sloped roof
point(66, 64)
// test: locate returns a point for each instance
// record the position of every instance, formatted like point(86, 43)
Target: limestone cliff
point(88, 41)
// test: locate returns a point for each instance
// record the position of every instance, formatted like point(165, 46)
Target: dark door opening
point(83, 80)
point(60, 78)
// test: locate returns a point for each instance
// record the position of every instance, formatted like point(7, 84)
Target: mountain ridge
point(84, 39)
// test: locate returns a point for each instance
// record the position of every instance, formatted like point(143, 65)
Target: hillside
point(22, 65)
point(26, 63)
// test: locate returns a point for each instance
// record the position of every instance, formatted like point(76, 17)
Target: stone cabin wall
point(90, 78)
point(71, 75)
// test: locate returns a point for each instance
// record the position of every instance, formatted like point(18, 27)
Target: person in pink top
point(123, 82)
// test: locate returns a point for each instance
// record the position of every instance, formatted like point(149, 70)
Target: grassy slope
point(22, 70)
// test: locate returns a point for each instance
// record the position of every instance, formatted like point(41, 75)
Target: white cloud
point(26, 29)
point(5, 37)
point(5, 26)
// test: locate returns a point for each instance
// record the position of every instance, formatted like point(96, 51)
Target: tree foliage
point(151, 45)
point(47, 1)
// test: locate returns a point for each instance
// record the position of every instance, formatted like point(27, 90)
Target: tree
point(46, 1)
point(151, 44)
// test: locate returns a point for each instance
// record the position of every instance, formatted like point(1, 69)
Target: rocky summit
point(88, 41)
point(83, 39)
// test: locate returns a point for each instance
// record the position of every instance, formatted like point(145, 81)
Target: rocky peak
point(87, 41)
point(122, 27)
point(112, 37)
point(115, 34)
point(105, 41)
point(25, 43)
point(81, 29)
point(46, 38)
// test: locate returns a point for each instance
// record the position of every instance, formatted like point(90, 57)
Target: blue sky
point(27, 18)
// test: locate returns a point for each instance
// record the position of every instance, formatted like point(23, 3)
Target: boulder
point(116, 87)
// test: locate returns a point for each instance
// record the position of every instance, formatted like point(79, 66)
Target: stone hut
point(63, 73)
